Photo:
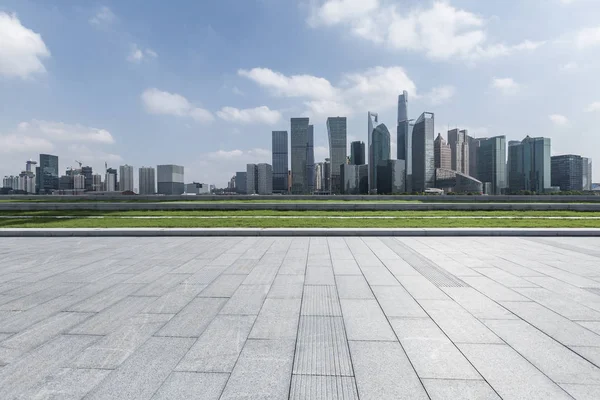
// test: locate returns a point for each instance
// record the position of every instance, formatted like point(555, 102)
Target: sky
point(203, 83)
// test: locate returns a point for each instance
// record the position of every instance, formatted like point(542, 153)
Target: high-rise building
point(299, 146)
point(310, 159)
point(265, 179)
point(529, 165)
point(442, 153)
point(357, 153)
point(474, 144)
point(79, 182)
point(491, 163)
point(240, 182)
point(355, 179)
point(567, 172)
point(404, 135)
point(251, 179)
point(65, 182)
point(336, 132)
point(88, 176)
point(380, 148)
point(280, 161)
point(326, 174)
point(423, 163)
point(30, 166)
point(586, 171)
point(47, 173)
point(97, 183)
point(391, 175)
point(319, 181)
point(111, 181)
point(126, 176)
point(147, 180)
point(372, 122)
point(459, 147)
point(170, 179)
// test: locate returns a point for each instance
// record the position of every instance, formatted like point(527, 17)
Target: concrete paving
point(299, 318)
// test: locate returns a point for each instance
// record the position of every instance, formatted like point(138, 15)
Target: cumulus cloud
point(588, 37)
point(558, 119)
point(61, 131)
point(21, 49)
point(16, 143)
point(441, 31)
point(292, 86)
point(258, 115)
point(138, 55)
point(505, 85)
point(164, 103)
point(594, 107)
point(104, 16)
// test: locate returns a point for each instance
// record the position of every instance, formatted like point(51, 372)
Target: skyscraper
point(170, 179)
point(404, 138)
point(299, 145)
point(491, 163)
point(126, 182)
point(47, 173)
point(147, 180)
point(586, 171)
point(442, 153)
point(390, 177)
point(423, 163)
point(310, 159)
point(372, 122)
point(336, 132)
point(280, 161)
point(529, 165)
point(265, 179)
point(357, 153)
point(474, 144)
point(112, 184)
point(459, 146)
point(88, 174)
point(240, 182)
point(381, 152)
point(567, 172)
point(251, 179)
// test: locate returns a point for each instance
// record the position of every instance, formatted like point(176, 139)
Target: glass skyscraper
point(310, 159)
point(299, 146)
point(357, 153)
point(423, 162)
point(529, 165)
point(372, 119)
point(126, 178)
point(47, 173)
point(381, 152)
point(280, 161)
point(567, 172)
point(336, 132)
point(586, 173)
point(404, 138)
point(459, 146)
point(491, 165)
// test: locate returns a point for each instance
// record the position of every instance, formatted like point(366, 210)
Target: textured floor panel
point(316, 387)
point(321, 300)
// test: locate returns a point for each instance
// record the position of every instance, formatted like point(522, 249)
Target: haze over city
point(203, 85)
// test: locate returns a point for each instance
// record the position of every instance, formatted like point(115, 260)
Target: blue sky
point(203, 83)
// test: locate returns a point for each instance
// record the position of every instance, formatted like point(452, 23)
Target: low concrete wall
point(539, 199)
point(369, 206)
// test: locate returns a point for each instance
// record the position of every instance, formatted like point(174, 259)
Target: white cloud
point(558, 119)
point(440, 94)
point(137, 55)
point(441, 31)
point(104, 16)
point(21, 49)
point(594, 107)
point(292, 86)
point(588, 37)
point(61, 131)
point(164, 103)
point(505, 85)
point(258, 115)
point(17, 143)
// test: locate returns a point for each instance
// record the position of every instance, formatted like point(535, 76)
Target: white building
point(126, 178)
point(265, 179)
point(197, 188)
point(78, 182)
point(110, 182)
point(97, 183)
point(147, 180)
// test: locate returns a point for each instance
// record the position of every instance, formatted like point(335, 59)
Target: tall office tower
point(491, 163)
point(404, 138)
point(336, 132)
point(529, 165)
point(88, 176)
point(372, 122)
point(30, 166)
point(279, 147)
point(586, 171)
point(474, 144)
point(310, 159)
point(381, 152)
point(319, 182)
point(170, 179)
point(251, 179)
point(79, 182)
point(567, 172)
point(442, 153)
point(126, 174)
point(147, 181)
point(264, 184)
point(299, 146)
point(240, 182)
point(390, 177)
point(97, 183)
point(326, 174)
point(423, 163)
point(47, 173)
point(357, 153)
point(114, 187)
point(459, 146)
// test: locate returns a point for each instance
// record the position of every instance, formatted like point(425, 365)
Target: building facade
point(170, 179)
point(265, 179)
point(529, 166)
point(355, 179)
point(423, 163)
point(459, 147)
point(280, 161)
point(567, 172)
point(491, 163)
point(126, 178)
point(357, 153)
point(251, 179)
point(97, 183)
point(299, 147)
point(336, 133)
point(442, 153)
point(457, 182)
point(47, 173)
point(372, 122)
point(319, 177)
point(586, 173)
point(381, 152)
point(240, 182)
point(147, 180)
point(474, 144)
point(310, 159)
point(391, 175)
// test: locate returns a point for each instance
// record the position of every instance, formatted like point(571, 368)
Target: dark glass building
point(442, 153)
point(567, 172)
point(336, 132)
point(240, 182)
point(170, 179)
point(491, 163)
point(423, 163)
point(47, 174)
point(390, 177)
point(280, 161)
point(299, 146)
point(310, 159)
point(357, 153)
point(381, 152)
point(529, 165)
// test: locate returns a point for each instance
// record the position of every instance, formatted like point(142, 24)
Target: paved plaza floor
point(300, 318)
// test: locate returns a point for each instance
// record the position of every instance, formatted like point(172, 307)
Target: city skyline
point(143, 84)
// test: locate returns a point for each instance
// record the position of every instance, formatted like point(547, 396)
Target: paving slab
point(447, 389)
point(365, 321)
point(318, 387)
point(189, 385)
point(194, 318)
